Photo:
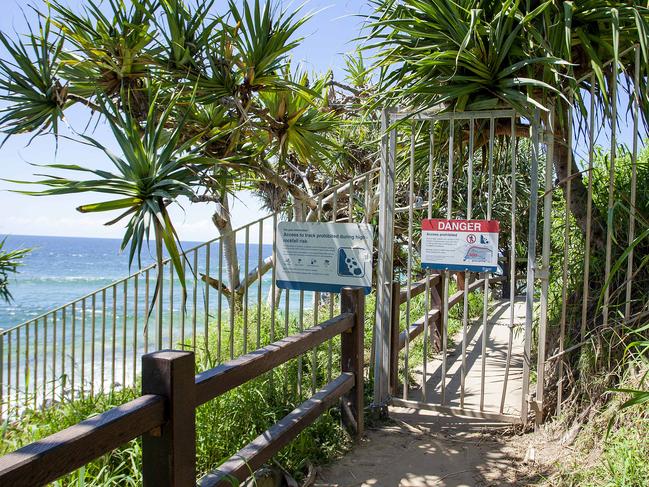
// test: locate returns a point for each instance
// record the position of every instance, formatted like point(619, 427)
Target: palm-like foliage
point(10, 260)
point(224, 92)
point(263, 39)
point(479, 54)
point(155, 169)
point(28, 80)
point(297, 120)
point(112, 54)
point(187, 34)
point(466, 55)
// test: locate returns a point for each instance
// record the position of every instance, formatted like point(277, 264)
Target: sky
point(327, 37)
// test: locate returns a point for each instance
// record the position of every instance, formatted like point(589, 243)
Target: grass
point(223, 425)
point(615, 457)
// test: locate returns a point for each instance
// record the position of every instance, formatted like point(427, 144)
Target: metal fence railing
point(94, 344)
point(171, 395)
point(601, 275)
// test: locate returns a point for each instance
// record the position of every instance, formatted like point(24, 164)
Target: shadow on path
point(422, 449)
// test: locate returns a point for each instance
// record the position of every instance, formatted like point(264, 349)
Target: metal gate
point(464, 165)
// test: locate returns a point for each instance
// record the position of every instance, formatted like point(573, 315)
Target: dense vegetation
point(202, 106)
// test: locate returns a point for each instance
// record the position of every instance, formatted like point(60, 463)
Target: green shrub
point(223, 425)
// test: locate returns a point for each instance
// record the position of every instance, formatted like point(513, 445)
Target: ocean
point(62, 269)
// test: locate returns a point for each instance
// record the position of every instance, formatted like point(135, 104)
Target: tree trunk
point(579, 192)
point(223, 222)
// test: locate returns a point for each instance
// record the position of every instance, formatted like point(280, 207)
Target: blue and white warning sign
point(324, 257)
point(460, 245)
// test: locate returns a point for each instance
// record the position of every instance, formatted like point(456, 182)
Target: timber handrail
point(164, 415)
point(48, 459)
point(417, 288)
point(262, 448)
point(222, 378)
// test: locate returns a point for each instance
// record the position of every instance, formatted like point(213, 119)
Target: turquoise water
point(62, 269)
point(97, 343)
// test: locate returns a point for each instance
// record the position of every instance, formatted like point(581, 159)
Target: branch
point(205, 198)
point(253, 275)
point(295, 191)
point(342, 86)
point(297, 171)
point(216, 284)
point(84, 101)
point(344, 189)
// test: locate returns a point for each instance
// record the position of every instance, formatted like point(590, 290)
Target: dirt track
point(424, 449)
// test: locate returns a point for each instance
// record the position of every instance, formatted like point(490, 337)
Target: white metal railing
point(93, 344)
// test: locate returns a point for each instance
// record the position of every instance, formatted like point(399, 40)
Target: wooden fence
point(164, 415)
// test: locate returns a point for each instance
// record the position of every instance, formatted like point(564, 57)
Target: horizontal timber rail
point(433, 316)
point(223, 378)
point(164, 415)
point(262, 448)
point(56, 455)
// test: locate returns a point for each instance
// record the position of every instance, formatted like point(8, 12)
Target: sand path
point(422, 448)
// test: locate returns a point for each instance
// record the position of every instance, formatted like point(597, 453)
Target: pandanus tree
point(479, 54)
point(157, 166)
point(10, 260)
point(226, 110)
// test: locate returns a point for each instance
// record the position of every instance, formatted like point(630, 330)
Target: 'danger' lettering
point(460, 226)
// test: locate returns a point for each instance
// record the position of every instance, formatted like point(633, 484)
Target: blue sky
point(328, 36)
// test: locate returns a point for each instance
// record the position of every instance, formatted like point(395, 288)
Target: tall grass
point(223, 425)
point(613, 448)
point(605, 376)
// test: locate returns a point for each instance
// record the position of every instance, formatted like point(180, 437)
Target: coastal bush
point(10, 260)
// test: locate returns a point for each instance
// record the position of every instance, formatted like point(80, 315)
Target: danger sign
point(460, 245)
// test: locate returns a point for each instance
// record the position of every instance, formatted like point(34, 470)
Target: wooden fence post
point(352, 350)
point(169, 454)
point(395, 318)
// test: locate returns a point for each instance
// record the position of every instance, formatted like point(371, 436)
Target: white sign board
point(460, 245)
point(324, 257)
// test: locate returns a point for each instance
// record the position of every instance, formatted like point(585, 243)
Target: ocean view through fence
point(81, 318)
point(71, 346)
point(63, 269)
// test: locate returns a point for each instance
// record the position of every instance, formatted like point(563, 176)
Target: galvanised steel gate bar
point(458, 125)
